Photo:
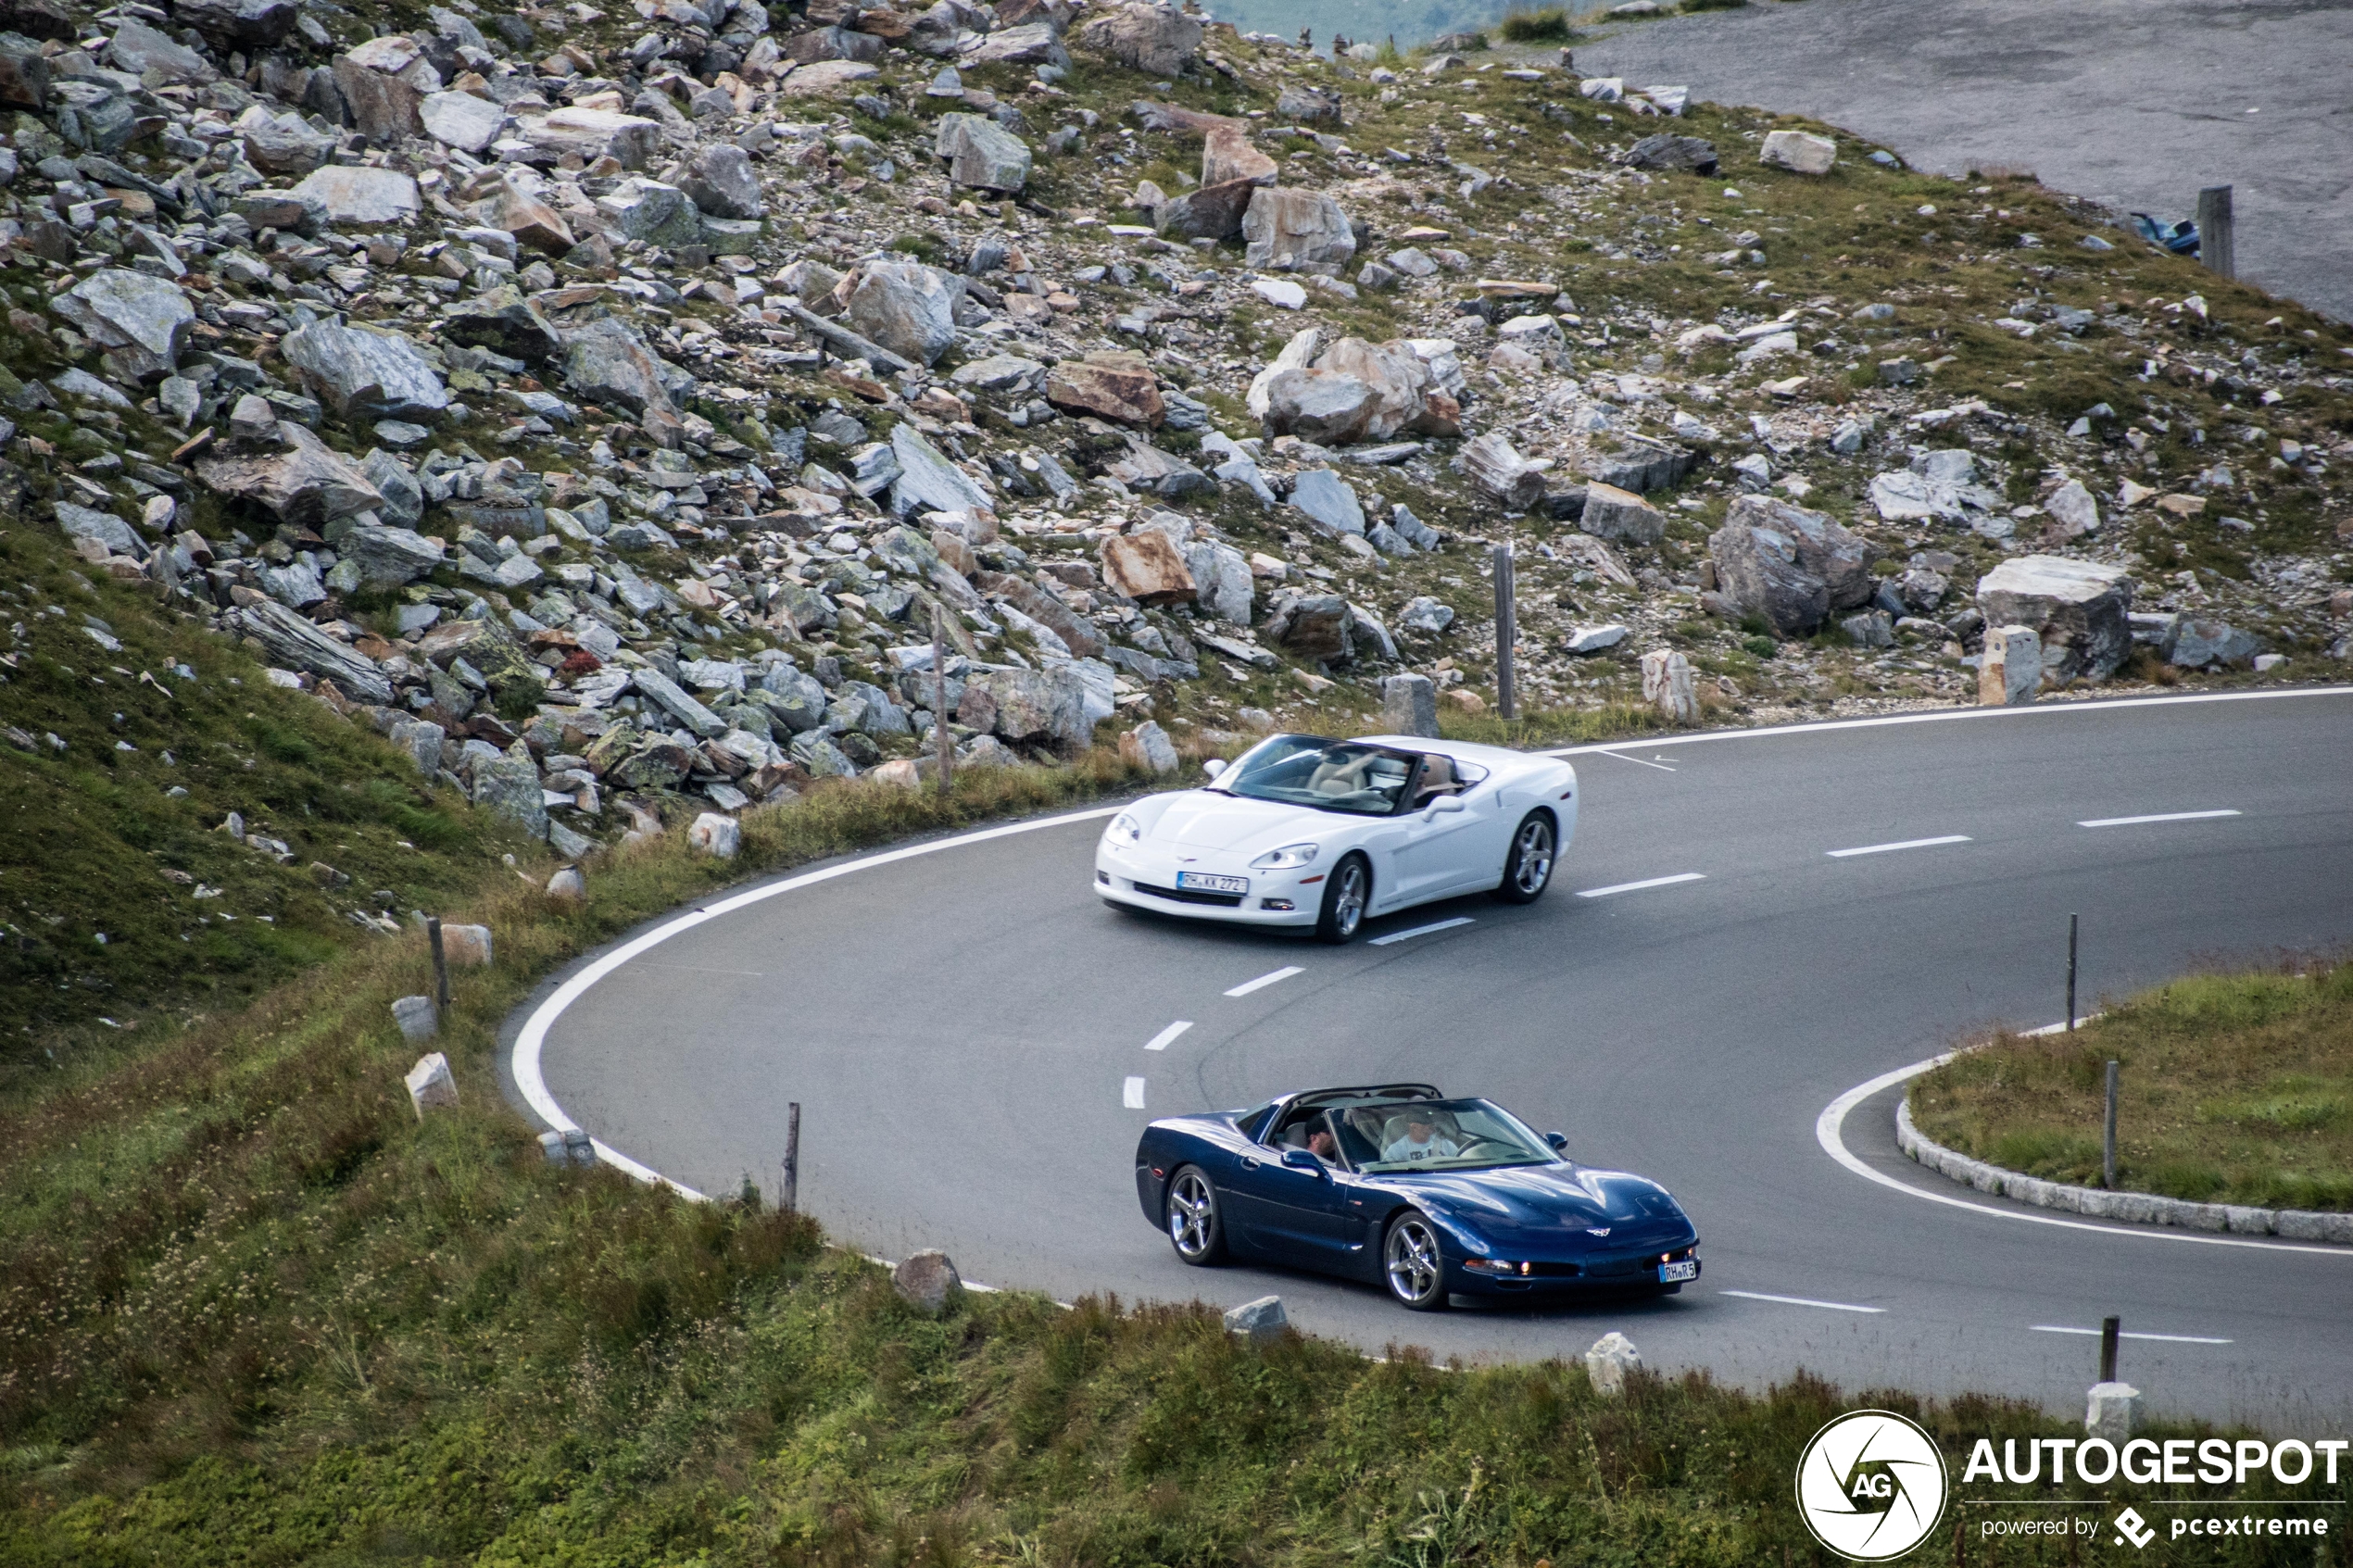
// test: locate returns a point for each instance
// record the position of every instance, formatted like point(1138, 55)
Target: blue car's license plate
point(1668, 1273)
point(1202, 881)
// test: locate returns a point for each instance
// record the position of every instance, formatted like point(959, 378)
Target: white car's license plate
point(1670, 1273)
point(1202, 881)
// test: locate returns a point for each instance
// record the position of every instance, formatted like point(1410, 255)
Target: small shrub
point(1546, 25)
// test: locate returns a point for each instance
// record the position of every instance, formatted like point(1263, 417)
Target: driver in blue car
point(1422, 1140)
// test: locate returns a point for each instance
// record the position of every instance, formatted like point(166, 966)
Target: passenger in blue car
point(1421, 1140)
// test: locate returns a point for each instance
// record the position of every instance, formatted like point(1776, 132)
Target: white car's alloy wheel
point(1530, 867)
point(1344, 900)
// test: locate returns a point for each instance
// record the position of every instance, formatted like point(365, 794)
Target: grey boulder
point(719, 179)
point(2081, 608)
point(906, 307)
point(389, 557)
point(364, 374)
point(143, 322)
point(288, 639)
point(606, 362)
point(1791, 565)
point(1303, 231)
point(2200, 644)
point(982, 154)
point(305, 483)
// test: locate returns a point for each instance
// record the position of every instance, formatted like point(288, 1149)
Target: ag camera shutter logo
point(1871, 1485)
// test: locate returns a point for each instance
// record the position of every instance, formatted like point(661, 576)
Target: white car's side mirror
point(1447, 803)
point(1214, 766)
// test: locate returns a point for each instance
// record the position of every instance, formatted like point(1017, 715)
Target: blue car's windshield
point(1330, 775)
point(1437, 1135)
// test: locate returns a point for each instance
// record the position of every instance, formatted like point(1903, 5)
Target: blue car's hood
point(1557, 1206)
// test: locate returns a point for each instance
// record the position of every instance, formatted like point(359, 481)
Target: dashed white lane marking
point(1418, 930)
point(1800, 1301)
point(1167, 1036)
point(2168, 1339)
point(1131, 1094)
point(1623, 758)
point(2160, 817)
point(1905, 844)
point(1247, 986)
point(1638, 886)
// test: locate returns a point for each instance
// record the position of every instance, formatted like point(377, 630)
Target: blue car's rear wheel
point(1196, 1228)
point(1412, 1265)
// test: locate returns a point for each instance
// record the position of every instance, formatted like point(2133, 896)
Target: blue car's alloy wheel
point(1410, 1262)
point(1195, 1228)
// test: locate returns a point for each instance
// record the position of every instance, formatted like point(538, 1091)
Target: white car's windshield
point(1330, 775)
point(1437, 1135)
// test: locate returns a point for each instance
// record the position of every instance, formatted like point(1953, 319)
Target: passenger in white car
point(1421, 1141)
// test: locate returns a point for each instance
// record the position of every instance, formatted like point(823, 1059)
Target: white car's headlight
point(1124, 829)
point(1288, 857)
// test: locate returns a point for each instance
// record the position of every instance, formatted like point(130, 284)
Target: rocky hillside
point(604, 408)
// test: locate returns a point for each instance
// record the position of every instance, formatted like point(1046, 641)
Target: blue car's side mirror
point(1300, 1160)
point(1559, 1142)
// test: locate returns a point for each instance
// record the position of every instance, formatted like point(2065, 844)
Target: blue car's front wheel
point(1195, 1228)
point(1412, 1265)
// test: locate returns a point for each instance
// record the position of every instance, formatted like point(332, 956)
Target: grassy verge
point(2234, 1088)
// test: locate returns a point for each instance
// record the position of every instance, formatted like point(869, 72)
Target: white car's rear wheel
point(1528, 870)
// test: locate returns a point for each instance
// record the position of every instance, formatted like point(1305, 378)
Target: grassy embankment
point(2234, 1089)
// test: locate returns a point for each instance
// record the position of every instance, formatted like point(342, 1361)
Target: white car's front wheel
point(1528, 870)
point(1346, 895)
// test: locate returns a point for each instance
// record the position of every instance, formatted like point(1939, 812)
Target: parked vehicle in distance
point(1310, 833)
point(1399, 1186)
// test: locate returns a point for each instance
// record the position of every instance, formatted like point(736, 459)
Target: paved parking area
point(2136, 103)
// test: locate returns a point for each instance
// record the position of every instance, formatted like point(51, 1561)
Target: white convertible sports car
point(1302, 831)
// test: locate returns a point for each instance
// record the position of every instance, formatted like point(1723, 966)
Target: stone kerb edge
point(2138, 1208)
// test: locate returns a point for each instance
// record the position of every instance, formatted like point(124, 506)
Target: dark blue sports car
point(1398, 1184)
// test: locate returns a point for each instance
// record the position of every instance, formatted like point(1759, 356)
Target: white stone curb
point(2139, 1208)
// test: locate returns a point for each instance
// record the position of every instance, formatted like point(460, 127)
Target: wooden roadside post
point(792, 1156)
point(1506, 632)
point(440, 961)
point(2216, 243)
point(943, 743)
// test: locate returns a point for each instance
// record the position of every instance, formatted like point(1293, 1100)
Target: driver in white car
point(1421, 1141)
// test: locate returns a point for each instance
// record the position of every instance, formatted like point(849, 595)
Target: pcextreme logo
point(1871, 1485)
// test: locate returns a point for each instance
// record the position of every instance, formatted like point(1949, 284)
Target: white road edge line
point(1131, 1094)
point(2160, 817)
point(2168, 1339)
point(1906, 844)
point(1418, 930)
point(532, 1041)
point(1167, 1036)
point(1644, 761)
point(1638, 886)
point(1800, 1301)
point(1829, 1132)
point(1948, 715)
point(1247, 986)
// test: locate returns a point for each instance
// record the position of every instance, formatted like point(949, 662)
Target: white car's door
point(1461, 851)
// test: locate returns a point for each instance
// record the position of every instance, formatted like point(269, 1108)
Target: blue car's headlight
point(1124, 829)
point(1287, 858)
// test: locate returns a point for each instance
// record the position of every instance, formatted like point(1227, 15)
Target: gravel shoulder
point(2135, 105)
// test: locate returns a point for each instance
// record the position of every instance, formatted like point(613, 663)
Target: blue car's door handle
point(1250, 1164)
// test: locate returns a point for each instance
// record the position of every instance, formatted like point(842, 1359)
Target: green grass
point(2234, 1088)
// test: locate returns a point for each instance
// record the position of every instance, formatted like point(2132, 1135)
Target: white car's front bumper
point(1144, 876)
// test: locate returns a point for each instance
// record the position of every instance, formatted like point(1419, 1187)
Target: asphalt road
point(2134, 103)
point(965, 1028)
